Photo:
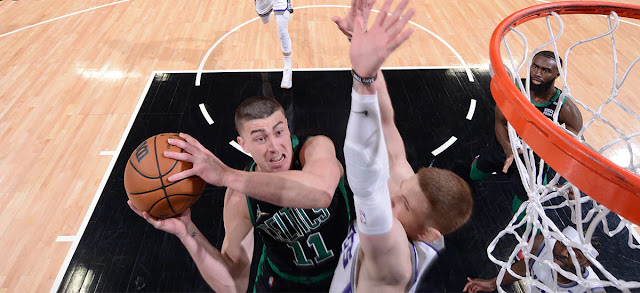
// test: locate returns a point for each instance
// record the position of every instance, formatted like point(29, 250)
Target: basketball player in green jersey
point(498, 157)
point(301, 245)
point(544, 95)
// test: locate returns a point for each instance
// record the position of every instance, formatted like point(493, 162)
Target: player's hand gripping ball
point(146, 179)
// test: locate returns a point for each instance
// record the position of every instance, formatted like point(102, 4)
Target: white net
point(548, 193)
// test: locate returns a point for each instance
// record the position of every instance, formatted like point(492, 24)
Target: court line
point(206, 56)
point(93, 204)
point(472, 109)
point(234, 144)
point(444, 146)
point(96, 196)
point(60, 17)
point(465, 66)
point(107, 153)
point(322, 69)
point(69, 238)
point(206, 115)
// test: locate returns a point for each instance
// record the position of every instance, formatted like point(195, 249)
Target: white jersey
point(264, 7)
point(544, 274)
point(422, 255)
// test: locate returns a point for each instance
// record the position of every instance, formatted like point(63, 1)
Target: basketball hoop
point(606, 185)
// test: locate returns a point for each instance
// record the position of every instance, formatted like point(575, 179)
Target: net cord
point(535, 218)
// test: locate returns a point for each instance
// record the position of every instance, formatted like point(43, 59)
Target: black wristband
point(367, 80)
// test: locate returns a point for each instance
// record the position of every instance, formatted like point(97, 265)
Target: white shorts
point(264, 7)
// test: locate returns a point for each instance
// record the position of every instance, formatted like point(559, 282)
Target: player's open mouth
point(536, 81)
point(277, 160)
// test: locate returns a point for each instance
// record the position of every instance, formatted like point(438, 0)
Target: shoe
point(286, 78)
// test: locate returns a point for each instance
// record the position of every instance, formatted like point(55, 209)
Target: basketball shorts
point(264, 7)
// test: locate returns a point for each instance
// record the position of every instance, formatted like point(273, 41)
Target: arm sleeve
point(367, 165)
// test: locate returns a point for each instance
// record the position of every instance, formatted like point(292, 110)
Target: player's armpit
point(393, 140)
point(386, 260)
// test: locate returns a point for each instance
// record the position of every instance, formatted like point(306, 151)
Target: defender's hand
point(358, 8)
point(369, 49)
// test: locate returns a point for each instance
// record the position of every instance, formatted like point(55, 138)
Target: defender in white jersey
point(400, 214)
point(557, 252)
point(282, 9)
point(423, 254)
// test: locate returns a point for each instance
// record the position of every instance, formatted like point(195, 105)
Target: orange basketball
point(146, 183)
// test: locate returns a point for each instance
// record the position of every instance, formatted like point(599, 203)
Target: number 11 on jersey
point(317, 243)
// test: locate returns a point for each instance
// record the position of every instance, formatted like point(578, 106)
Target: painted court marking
point(437, 151)
point(96, 196)
point(444, 146)
point(206, 56)
point(234, 144)
point(206, 115)
point(108, 153)
point(70, 238)
point(472, 109)
point(60, 17)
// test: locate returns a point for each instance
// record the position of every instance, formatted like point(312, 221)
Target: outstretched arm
point(311, 187)
point(392, 137)
point(385, 263)
point(398, 163)
point(360, 8)
point(488, 285)
point(225, 271)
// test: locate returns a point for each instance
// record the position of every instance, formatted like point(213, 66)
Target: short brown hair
point(449, 198)
point(257, 107)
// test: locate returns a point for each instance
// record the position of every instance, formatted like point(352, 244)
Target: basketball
point(146, 179)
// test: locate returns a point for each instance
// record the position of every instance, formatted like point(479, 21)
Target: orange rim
point(611, 185)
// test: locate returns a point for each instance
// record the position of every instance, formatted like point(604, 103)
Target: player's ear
point(431, 234)
point(241, 142)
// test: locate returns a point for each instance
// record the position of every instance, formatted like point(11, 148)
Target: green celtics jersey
point(548, 108)
point(301, 245)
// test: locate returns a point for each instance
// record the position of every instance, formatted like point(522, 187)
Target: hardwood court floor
point(71, 85)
